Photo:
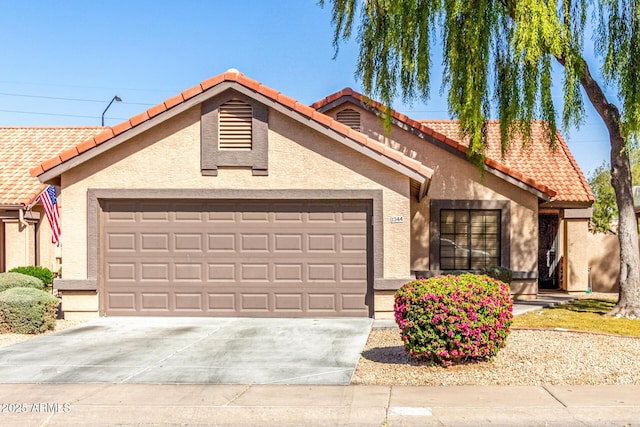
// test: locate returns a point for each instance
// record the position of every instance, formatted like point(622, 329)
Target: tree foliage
point(497, 57)
point(605, 209)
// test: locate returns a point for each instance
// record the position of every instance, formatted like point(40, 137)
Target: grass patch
point(583, 315)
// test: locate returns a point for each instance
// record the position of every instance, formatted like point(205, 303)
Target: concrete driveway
point(191, 351)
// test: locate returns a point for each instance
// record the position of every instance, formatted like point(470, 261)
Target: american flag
point(50, 205)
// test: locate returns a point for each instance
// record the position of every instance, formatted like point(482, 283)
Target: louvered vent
point(350, 118)
point(235, 125)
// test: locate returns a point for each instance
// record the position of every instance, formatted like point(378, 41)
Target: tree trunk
point(629, 278)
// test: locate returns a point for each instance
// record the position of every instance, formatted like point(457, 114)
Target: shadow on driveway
point(191, 351)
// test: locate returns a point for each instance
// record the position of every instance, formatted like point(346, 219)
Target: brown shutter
point(235, 125)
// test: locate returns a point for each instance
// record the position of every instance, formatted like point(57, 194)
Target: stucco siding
point(168, 157)
point(19, 244)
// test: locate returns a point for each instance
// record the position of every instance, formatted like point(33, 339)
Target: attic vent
point(350, 118)
point(235, 125)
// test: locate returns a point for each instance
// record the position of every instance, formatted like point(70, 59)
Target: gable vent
point(235, 119)
point(350, 118)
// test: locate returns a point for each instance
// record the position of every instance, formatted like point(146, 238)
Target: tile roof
point(556, 174)
point(557, 170)
point(22, 147)
point(232, 76)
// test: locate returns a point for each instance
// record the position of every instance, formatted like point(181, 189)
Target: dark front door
point(549, 262)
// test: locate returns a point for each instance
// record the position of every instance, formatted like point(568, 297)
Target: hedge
point(19, 280)
point(42, 273)
point(27, 311)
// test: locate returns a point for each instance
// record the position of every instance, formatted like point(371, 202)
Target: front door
point(549, 262)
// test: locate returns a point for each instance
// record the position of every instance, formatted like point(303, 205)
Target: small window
point(235, 125)
point(469, 239)
point(350, 118)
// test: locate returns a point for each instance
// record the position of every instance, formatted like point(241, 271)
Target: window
point(469, 234)
point(469, 239)
point(350, 118)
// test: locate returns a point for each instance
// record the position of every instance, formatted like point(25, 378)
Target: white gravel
point(530, 357)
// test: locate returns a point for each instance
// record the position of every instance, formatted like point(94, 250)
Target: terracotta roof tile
point(535, 162)
point(191, 92)
point(23, 147)
point(556, 174)
point(156, 109)
point(237, 77)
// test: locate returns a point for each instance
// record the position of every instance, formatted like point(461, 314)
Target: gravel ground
point(530, 357)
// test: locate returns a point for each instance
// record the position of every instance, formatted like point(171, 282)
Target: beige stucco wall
point(604, 261)
point(19, 244)
point(168, 157)
point(455, 178)
point(576, 261)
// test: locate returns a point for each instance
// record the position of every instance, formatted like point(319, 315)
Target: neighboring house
point(25, 234)
point(232, 199)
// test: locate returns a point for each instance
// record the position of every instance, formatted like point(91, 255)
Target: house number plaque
point(397, 219)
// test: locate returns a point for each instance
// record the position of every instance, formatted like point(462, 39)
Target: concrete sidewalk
point(299, 405)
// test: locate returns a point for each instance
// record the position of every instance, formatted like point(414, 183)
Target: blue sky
point(66, 60)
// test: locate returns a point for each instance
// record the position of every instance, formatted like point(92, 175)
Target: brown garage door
point(235, 258)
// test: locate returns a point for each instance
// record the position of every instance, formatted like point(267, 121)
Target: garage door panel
point(291, 303)
point(322, 242)
point(188, 242)
point(254, 242)
point(188, 272)
point(221, 272)
point(122, 242)
point(254, 302)
point(252, 217)
point(154, 242)
point(246, 258)
point(154, 271)
point(123, 301)
point(321, 302)
point(121, 271)
point(188, 301)
point(222, 302)
point(290, 242)
point(155, 301)
point(225, 242)
point(288, 273)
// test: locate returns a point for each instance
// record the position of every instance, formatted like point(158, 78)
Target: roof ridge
point(233, 76)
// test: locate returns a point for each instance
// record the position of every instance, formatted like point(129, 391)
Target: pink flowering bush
point(450, 319)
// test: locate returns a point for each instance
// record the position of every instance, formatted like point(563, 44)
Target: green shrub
point(500, 273)
point(42, 273)
point(450, 319)
point(27, 311)
point(19, 280)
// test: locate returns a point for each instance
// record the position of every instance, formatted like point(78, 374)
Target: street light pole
point(115, 98)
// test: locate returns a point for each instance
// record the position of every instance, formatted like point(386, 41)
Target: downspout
point(21, 218)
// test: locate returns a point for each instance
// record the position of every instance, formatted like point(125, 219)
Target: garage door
point(235, 258)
